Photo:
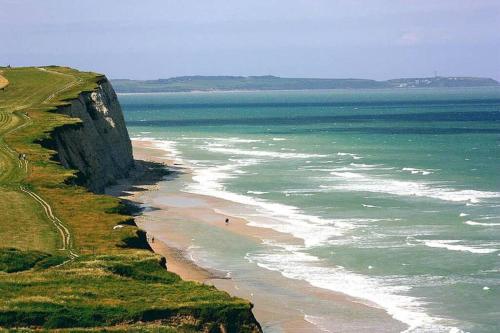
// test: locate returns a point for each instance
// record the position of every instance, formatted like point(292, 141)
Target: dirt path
point(63, 230)
point(3, 82)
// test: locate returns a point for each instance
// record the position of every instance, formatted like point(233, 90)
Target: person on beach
point(227, 221)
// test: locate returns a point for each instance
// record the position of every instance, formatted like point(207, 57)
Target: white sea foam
point(369, 166)
point(229, 140)
point(319, 322)
point(490, 218)
point(369, 206)
point(292, 262)
point(350, 181)
point(353, 156)
point(168, 146)
point(289, 219)
point(463, 214)
point(279, 139)
point(415, 171)
point(236, 140)
point(482, 224)
point(346, 174)
point(259, 153)
point(453, 245)
point(314, 230)
point(256, 192)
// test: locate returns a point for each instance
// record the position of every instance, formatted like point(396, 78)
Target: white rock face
point(100, 147)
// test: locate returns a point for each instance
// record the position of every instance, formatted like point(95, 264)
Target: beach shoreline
point(175, 246)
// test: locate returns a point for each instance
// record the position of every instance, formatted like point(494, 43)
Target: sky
point(150, 39)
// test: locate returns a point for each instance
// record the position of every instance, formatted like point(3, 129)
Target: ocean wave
point(236, 140)
point(482, 224)
point(319, 322)
point(211, 178)
point(490, 218)
point(300, 192)
point(260, 153)
point(292, 262)
point(415, 171)
point(369, 206)
point(363, 183)
point(353, 156)
point(230, 139)
point(256, 192)
point(346, 174)
point(168, 146)
point(369, 166)
point(313, 230)
point(352, 167)
point(453, 245)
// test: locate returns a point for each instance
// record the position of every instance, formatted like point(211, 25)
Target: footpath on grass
point(3, 82)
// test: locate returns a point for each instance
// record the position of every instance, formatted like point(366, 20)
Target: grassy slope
point(111, 280)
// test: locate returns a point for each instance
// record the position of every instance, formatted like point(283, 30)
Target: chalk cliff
point(99, 148)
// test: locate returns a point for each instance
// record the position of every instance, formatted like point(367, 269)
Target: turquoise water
point(395, 193)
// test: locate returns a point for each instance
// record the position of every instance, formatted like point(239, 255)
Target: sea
point(394, 193)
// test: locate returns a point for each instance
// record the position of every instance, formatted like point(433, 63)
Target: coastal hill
point(268, 82)
point(72, 259)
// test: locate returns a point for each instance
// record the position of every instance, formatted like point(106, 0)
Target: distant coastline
point(259, 83)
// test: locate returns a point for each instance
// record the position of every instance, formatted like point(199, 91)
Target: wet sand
point(169, 208)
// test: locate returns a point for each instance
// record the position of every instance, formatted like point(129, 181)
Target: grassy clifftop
point(63, 263)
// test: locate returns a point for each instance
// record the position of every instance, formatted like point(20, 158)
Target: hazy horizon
point(286, 77)
point(378, 40)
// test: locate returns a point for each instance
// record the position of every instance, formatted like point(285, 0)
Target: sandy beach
point(167, 208)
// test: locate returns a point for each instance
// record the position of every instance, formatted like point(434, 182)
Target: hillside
point(72, 259)
point(226, 83)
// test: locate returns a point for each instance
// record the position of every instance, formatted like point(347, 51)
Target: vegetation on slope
point(73, 268)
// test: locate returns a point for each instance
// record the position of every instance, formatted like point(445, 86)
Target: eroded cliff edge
point(99, 147)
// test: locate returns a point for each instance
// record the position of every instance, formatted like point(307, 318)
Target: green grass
point(14, 260)
point(116, 283)
point(23, 224)
point(106, 290)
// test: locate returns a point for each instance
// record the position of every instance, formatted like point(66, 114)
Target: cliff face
point(100, 147)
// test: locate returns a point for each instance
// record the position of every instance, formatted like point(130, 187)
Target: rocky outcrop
point(99, 148)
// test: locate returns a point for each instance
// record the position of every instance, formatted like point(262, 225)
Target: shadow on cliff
point(142, 177)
